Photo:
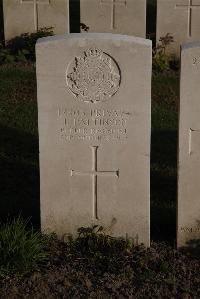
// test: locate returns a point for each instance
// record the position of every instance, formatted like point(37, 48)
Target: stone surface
point(180, 18)
point(94, 127)
point(21, 16)
point(115, 16)
point(189, 147)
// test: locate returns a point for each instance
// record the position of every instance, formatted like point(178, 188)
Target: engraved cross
point(190, 6)
point(35, 9)
point(113, 3)
point(94, 173)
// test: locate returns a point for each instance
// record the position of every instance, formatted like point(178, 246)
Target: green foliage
point(161, 60)
point(99, 248)
point(22, 48)
point(5, 55)
point(21, 249)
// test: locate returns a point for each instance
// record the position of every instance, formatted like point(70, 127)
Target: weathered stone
point(21, 16)
point(189, 148)
point(180, 18)
point(94, 94)
point(115, 16)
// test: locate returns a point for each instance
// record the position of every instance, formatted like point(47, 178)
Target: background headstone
point(180, 18)
point(189, 147)
point(94, 94)
point(115, 16)
point(21, 16)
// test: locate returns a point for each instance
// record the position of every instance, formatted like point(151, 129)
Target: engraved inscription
point(93, 77)
point(94, 174)
point(35, 9)
point(94, 124)
point(113, 3)
point(187, 229)
point(190, 6)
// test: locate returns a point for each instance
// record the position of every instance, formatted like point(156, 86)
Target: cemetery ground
point(93, 265)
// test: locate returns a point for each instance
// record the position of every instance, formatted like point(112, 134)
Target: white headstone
point(22, 16)
point(94, 94)
point(189, 147)
point(115, 16)
point(180, 18)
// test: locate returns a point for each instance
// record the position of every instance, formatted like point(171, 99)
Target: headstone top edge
point(108, 36)
point(191, 45)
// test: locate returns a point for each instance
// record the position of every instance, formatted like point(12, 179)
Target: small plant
point(21, 249)
point(84, 28)
point(100, 249)
point(5, 56)
point(22, 48)
point(161, 60)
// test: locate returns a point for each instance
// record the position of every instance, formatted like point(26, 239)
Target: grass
point(165, 91)
point(98, 266)
point(19, 172)
point(21, 249)
point(19, 165)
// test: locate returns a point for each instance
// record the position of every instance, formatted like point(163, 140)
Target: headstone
point(180, 18)
point(94, 94)
point(22, 16)
point(189, 147)
point(114, 16)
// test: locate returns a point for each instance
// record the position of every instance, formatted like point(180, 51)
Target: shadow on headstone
point(1, 22)
point(19, 176)
point(74, 8)
point(163, 185)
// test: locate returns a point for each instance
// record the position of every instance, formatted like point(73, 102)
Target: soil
point(156, 272)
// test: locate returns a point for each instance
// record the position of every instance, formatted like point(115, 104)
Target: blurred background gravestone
point(115, 16)
point(179, 18)
point(26, 16)
point(22, 16)
point(189, 148)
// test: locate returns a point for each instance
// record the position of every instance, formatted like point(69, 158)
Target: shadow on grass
point(19, 175)
point(163, 185)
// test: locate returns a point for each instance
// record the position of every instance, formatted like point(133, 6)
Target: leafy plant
point(100, 249)
point(21, 249)
point(22, 48)
point(84, 27)
point(5, 56)
point(161, 60)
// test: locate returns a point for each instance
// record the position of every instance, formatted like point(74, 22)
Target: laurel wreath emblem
point(94, 77)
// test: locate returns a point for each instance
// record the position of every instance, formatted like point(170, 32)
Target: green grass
point(21, 249)
point(19, 170)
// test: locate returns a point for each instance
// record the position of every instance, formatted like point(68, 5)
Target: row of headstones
point(94, 102)
point(180, 18)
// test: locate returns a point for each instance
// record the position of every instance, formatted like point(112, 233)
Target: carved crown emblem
point(93, 77)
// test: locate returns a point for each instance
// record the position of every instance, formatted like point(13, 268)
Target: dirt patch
point(158, 272)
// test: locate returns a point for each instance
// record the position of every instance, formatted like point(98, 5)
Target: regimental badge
point(94, 77)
